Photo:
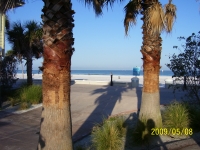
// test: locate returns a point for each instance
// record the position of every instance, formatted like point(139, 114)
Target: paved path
point(89, 103)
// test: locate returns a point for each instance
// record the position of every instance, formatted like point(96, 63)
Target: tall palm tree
point(55, 132)
point(33, 37)
point(155, 19)
point(26, 41)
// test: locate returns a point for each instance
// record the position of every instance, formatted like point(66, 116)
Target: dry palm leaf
point(154, 18)
point(170, 15)
point(97, 7)
point(10, 4)
point(132, 9)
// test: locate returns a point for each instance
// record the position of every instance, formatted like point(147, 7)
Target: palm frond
point(7, 22)
point(26, 36)
point(33, 31)
point(132, 9)
point(9, 4)
point(154, 17)
point(98, 5)
point(170, 16)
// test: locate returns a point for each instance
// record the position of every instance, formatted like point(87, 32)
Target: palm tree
point(33, 37)
point(155, 19)
point(5, 5)
point(55, 132)
point(26, 41)
point(9, 4)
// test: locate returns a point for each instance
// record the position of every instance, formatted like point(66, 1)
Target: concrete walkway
point(89, 103)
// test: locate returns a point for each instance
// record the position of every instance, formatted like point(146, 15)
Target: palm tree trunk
point(151, 51)
point(29, 66)
point(56, 128)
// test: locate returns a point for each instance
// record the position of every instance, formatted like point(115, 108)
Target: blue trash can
point(136, 71)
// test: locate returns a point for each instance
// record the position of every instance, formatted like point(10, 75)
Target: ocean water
point(105, 72)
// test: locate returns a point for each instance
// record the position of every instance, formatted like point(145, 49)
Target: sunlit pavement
point(89, 103)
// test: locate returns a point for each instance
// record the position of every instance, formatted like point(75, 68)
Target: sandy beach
point(106, 78)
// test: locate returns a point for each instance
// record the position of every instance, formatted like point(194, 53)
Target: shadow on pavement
point(139, 134)
point(105, 104)
point(139, 96)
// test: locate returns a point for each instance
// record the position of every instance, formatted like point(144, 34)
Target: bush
point(24, 105)
point(142, 132)
point(176, 116)
point(13, 101)
point(7, 75)
point(31, 94)
point(9, 94)
point(109, 135)
point(194, 112)
point(186, 67)
point(119, 122)
point(8, 67)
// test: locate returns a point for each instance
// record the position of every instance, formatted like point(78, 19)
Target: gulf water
point(104, 72)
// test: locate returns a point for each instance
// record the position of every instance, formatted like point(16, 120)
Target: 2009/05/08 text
point(171, 131)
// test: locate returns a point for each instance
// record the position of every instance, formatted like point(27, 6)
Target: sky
point(100, 42)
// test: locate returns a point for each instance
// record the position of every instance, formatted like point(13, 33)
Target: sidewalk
point(89, 103)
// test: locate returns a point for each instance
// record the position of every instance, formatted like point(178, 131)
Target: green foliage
point(9, 94)
point(109, 135)
point(119, 122)
point(176, 116)
point(7, 75)
point(187, 65)
point(142, 132)
point(25, 95)
point(26, 39)
point(79, 148)
point(8, 67)
point(194, 115)
point(25, 105)
point(30, 94)
point(26, 43)
point(13, 101)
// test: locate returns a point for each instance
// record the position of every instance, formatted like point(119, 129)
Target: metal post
point(111, 82)
point(185, 82)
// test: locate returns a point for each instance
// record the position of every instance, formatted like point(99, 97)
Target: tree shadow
point(41, 140)
point(139, 97)
point(105, 103)
point(140, 134)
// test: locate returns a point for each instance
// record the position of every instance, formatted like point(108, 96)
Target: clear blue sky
point(100, 43)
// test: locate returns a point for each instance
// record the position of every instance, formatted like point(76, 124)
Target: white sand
point(117, 78)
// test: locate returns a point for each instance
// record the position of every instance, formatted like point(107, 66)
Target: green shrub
point(24, 105)
point(142, 132)
point(176, 116)
point(194, 112)
point(31, 94)
point(9, 94)
point(13, 100)
point(119, 122)
point(109, 135)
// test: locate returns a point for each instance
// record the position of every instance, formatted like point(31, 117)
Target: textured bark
point(56, 129)
point(151, 51)
point(150, 108)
